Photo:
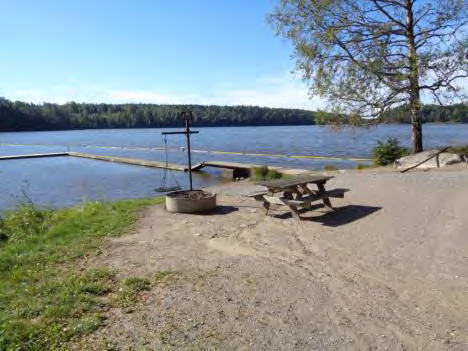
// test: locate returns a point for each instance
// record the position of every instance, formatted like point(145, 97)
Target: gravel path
point(388, 270)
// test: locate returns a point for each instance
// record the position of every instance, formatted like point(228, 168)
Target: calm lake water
point(66, 181)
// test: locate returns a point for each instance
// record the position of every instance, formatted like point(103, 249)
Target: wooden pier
point(245, 167)
point(222, 164)
point(130, 161)
point(235, 169)
point(18, 157)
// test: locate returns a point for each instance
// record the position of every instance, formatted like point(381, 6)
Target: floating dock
point(246, 167)
point(18, 157)
point(241, 169)
point(129, 161)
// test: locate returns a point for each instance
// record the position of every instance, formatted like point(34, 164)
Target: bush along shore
point(45, 298)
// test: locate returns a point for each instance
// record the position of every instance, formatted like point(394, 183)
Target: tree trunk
point(416, 120)
point(415, 98)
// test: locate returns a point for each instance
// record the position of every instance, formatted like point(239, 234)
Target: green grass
point(264, 173)
point(459, 149)
point(166, 277)
point(131, 289)
point(45, 298)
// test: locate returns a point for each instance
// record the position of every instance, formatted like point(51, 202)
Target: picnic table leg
point(326, 200)
point(294, 212)
point(266, 205)
point(290, 195)
point(304, 190)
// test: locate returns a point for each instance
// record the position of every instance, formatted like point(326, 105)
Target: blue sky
point(158, 51)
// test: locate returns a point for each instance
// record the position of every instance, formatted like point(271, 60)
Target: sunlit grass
point(45, 298)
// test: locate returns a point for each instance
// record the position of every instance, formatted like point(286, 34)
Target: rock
point(454, 159)
point(445, 159)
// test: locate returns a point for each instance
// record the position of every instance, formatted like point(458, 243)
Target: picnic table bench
point(294, 192)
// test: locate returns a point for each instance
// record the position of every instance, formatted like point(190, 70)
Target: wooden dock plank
point(157, 164)
point(226, 165)
point(17, 157)
point(130, 161)
point(246, 166)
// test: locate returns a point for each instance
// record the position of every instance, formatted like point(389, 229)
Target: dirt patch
point(386, 271)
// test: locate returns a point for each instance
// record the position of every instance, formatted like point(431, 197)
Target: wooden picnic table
point(295, 192)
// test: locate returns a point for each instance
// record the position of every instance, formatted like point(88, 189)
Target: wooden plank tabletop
point(280, 184)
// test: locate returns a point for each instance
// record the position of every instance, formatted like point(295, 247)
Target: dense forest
point(20, 116)
point(25, 116)
point(457, 113)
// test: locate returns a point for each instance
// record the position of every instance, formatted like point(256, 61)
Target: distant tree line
point(21, 116)
point(457, 113)
point(17, 116)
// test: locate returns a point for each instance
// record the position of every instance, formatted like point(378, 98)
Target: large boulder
point(445, 159)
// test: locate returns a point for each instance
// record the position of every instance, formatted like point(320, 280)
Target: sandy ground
point(388, 270)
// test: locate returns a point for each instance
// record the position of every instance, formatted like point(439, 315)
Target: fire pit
point(190, 201)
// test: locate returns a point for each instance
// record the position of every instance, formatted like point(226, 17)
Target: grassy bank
point(45, 297)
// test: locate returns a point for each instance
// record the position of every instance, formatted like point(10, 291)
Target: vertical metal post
point(187, 134)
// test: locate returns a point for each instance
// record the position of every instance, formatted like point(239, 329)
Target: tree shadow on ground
point(340, 216)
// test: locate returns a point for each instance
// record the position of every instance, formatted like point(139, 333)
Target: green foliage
point(45, 299)
point(459, 149)
point(259, 173)
point(17, 116)
point(365, 57)
point(330, 168)
point(274, 174)
point(265, 173)
point(457, 113)
point(388, 152)
point(362, 166)
point(26, 220)
point(24, 116)
point(346, 49)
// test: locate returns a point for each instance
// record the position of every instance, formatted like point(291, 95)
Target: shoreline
point(177, 126)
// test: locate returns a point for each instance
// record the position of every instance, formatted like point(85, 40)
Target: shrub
point(260, 173)
point(273, 174)
point(330, 168)
point(388, 152)
point(264, 173)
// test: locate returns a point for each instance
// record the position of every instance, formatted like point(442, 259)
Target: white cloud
point(282, 90)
